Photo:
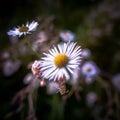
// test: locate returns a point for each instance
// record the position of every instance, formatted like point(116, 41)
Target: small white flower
point(116, 81)
point(10, 67)
point(28, 78)
point(41, 37)
point(52, 87)
point(91, 97)
point(24, 29)
point(75, 76)
point(89, 69)
point(60, 61)
point(5, 55)
point(86, 53)
point(67, 36)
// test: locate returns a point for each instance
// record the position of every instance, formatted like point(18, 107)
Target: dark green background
point(80, 16)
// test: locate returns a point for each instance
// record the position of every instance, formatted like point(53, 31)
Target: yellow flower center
point(88, 69)
point(23, 29)
point(61, 60)
point(67, 35)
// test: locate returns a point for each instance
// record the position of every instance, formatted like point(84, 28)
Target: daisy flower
point(86, 53)
point(75, 76)
point(91, 98)
point(67, 36)
point(28, 78)
point(24, 29)
point(10, 67)
point(89, 70)
point(116, 81)
point(52, 87)
point(61, 61)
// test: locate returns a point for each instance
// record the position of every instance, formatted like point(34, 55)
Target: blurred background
point(96, 25)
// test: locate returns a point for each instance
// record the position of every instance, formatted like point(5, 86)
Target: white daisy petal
point(33, 26)
point(60, 61)
point(24, 29)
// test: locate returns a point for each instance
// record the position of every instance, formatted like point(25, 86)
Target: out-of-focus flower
point(86, 53)
point(36, 68)
point(23, 50)
point(52, 87)
point(67, 36)
point(60, 61)
point(5, 55)
point(89, 70)
point(28, 78)
point(24, 29)
point(31, 79)
point(96, 32)
point(10, 67)
point(42, 37)
point(13, 39)
point(35, 46)
point(74, 81)
point(75, 76)
point(116, 81)
point(91, 97)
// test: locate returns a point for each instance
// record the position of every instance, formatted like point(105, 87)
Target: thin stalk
point(30, 46)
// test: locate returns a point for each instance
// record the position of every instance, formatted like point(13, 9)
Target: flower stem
point(106, 86)
point(30, 46)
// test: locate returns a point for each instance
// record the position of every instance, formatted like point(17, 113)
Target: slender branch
point(30, 46)
point(31, 113)
point(106, 86)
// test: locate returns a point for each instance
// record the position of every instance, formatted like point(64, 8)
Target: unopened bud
point(36, 69)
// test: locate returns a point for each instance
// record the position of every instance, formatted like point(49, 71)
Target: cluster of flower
point(64, 63)
point(57, 66)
